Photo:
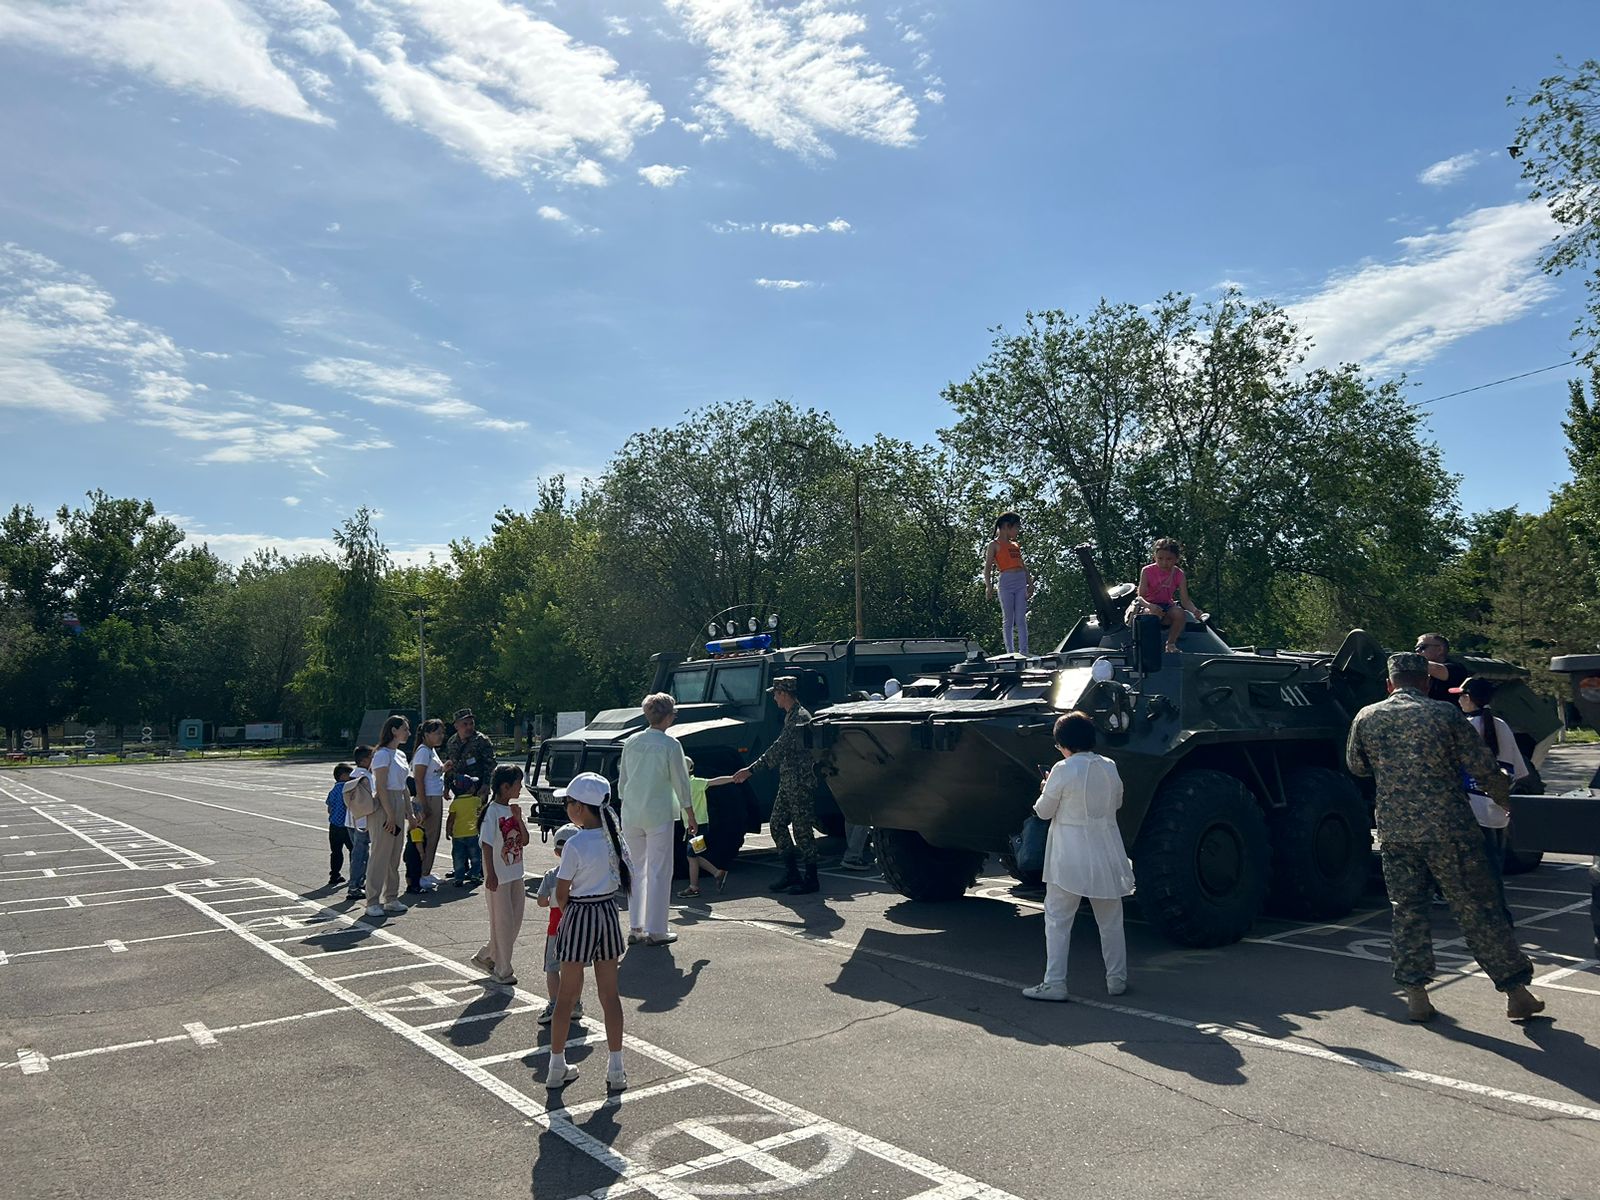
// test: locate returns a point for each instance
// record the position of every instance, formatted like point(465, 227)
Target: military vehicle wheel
point(923, 872)
point(1202, 859)
point(1520, 862)
point(1321, 846)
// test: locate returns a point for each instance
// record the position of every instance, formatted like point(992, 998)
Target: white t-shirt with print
point(499, 837)
point(394, 762)
point(587, 861)
point(432, 782)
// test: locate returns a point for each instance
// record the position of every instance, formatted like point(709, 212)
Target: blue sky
point(266, 260)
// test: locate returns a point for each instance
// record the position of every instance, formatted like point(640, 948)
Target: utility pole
point(422, 670)
point(856, 523)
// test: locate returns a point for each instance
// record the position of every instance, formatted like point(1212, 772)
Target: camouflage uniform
point(1415, 749)
point(474, 758)
point(797, 783)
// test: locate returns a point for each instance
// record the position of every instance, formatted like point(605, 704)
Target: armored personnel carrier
point(725, 717)
point(1232, 760)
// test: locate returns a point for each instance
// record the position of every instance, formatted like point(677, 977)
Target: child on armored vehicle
point(1164, 592)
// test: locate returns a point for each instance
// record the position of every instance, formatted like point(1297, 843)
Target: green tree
point(35, 687)
point(1307, 501)
point(354, 639)
point(1558, 143)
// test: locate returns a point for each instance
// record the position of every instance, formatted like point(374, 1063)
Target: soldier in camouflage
point(795, 806)
point(1415, 750)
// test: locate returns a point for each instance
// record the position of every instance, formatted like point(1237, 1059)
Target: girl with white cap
point(594, 868)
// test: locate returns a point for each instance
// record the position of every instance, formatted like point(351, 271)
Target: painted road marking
point(632, 1175)
point(208, 804)
point(727, 1148)
point(32, 1063)
point(130, 846)
point(202, 1036)
point(1208, 1028)
point(116, 947)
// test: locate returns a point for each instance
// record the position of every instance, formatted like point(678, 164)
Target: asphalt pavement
point(186, 1011)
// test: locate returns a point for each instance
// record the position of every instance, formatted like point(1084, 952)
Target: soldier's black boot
point(804, 887)
point(789, 878)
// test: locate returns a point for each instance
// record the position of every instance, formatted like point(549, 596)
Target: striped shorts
point(590, 931)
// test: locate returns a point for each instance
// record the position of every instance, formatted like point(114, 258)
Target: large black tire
point(1520, 862)
point(923, 872)
point(1203, 860)
point(1321, 846)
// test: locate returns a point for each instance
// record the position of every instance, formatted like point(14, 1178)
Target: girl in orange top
point(1003, 558)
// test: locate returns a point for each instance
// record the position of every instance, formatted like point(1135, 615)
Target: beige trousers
point(506, 905)
point(383, 857)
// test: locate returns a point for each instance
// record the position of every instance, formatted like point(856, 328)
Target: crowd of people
point(1442, 775)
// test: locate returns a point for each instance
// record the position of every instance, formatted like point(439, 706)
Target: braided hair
point(608, 818)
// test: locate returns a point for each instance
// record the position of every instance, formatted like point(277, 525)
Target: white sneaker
point(616, 1081)
point(664, 939)
point(577, 1011)
point(374, 910)
point(394, 907)
point(555, 1082)
point(483, 959)
point(427, 884)
point(1116, 987)
point(547, 1014)
point(1047, 991)
point(509, 979)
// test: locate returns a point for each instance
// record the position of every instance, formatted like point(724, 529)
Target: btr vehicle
point(726, 718)
point(1236, 796)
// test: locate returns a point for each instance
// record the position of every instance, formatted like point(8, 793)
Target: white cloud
point(551, 213)
point(793, 75)
point(660, 175)
point(420, 389)
point(218, 48)
point(331, 227)
point(1447, 171)
point(236, 547)
point(507, 90)
point(133, 239)
point(1479, 272)
point(784, 285)
point(619, 26)
point(292, 501)
point(783, 229)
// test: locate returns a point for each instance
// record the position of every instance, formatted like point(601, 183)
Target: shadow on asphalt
point(1539, 1046)
point(655, 979)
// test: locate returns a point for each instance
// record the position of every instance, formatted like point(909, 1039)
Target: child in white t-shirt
point(503, 834)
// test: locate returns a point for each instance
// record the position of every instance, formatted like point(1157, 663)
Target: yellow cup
point(698, 843)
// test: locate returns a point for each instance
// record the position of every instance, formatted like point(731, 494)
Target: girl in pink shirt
point(1163, 591)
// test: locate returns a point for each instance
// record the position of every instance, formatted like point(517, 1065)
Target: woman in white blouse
point(386, 827)
point(1084, 857)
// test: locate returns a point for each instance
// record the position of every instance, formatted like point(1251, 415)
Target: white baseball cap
point(564, 835)
point(588, 788)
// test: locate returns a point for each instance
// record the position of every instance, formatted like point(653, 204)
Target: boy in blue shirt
point(338, 835)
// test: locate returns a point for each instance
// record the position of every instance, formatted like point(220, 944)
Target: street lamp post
point(856, 528)
point(422, 670)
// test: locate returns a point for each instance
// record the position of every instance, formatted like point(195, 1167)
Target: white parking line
point(208, 804)
point(1209, 1028)
point(632, 1176)
point(130, 846)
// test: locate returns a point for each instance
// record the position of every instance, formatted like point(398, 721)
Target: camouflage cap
point(785, 683)
point(1407, 664)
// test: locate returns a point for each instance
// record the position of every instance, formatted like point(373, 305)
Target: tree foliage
point(1558, 143)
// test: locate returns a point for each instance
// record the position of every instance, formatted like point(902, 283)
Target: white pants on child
point(506, 905)
point(1060, 910)
point(651, 851)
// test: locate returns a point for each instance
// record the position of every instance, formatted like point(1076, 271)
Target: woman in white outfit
point(1084, 857)
point(653, 782)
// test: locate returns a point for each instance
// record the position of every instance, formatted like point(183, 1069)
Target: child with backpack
point(545, 898)
point(359, 802)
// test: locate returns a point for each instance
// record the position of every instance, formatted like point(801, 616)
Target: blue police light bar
point(757, 641)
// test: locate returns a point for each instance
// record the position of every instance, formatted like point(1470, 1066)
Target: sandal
point(688, 893)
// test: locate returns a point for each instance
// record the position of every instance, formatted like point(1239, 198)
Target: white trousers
point(1060, 909)
point(651, 851)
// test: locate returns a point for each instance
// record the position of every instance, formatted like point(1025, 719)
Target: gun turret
point(1111, 615)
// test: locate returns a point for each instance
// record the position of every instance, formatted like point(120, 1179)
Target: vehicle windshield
point(688, 684)
point(739, 685)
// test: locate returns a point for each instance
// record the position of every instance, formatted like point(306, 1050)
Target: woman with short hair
point(653, 784)
point(1084, 857)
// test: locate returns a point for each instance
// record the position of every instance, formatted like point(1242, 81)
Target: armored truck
point(725, 717)
point(1232, 759)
